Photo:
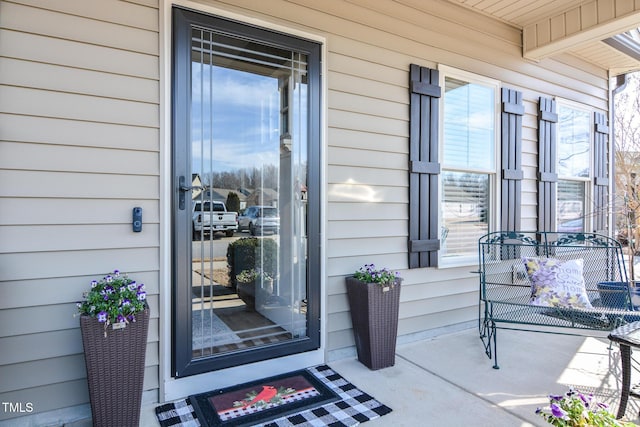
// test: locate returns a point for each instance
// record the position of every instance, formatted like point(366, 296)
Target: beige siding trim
point(64, 26)
point(35, 102)
point(61, 290)
point(77, 185)
point(49, 397)
point(123, 13)
point(57, 78)
point(79, 144)
point(61, 158)
point(76, 54)
point(70, 132)
point(28, 211)
point(96, 262)
point(19, 239)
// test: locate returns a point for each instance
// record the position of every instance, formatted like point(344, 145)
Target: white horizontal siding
point(143, 16)
point(67, 26)
point(46, 238)
point(60, 290)
point(76, 54)
point(36, 102)
point(64, 211)
point(21, 73)
point(58, 158)
point(96, 262)
point(77, 185)
point(79, 148)
point(79, 133)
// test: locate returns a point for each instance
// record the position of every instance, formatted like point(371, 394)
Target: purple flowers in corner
point(578, 409)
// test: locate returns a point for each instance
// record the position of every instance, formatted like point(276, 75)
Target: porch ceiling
point(602, 32)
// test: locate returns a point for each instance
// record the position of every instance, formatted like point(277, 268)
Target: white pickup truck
point(212, 216)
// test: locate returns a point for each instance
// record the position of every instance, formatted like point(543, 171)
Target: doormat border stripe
point(353, 408)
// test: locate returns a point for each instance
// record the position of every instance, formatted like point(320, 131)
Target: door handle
point(182, 189)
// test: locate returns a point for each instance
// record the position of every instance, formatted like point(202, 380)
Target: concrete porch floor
point(448, 380)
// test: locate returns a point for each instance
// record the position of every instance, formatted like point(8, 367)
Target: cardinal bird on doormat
point(268, 394)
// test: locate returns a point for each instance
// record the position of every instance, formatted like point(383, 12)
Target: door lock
point(182, 189)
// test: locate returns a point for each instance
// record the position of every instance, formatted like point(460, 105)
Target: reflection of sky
point(235, 121)
point(468, 126)
point(574, 156)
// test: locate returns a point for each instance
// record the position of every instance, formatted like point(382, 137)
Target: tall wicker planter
point(115, 370)
point(374, 314)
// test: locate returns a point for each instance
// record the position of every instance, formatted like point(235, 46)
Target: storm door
point(246, 194)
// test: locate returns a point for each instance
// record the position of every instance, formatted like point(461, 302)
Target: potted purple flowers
point(114, 321)
point(575, 409)
point(374, 299)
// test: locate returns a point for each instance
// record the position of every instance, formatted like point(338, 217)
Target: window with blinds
point(468, 203)
point(574, 168)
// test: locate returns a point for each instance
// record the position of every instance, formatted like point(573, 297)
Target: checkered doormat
point(353, 408)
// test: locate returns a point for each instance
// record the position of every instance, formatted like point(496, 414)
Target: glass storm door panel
point(243, 130)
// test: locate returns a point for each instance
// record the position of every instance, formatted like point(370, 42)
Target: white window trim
point(494, 195)
point(588, 192)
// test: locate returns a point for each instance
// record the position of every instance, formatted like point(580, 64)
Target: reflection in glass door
point(243, 178)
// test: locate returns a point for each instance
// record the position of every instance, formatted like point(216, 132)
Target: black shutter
point(600, 180)
point(547, 164)
point(424, 168)
point(512, 112)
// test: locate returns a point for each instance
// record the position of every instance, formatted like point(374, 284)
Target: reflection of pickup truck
point(210, 216)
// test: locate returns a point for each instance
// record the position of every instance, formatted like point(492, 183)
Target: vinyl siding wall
point(79, 128)
point(79, 148)
point(370, 46)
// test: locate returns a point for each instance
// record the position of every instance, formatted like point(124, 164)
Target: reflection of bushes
point(249, 276)
point(251, 253)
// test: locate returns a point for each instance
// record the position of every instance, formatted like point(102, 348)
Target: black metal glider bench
point(563, 283)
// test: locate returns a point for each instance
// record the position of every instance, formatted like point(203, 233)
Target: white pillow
point(557, 283)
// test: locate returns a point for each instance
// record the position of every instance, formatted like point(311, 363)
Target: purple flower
point(555, 397)
point(94, 283)
point(106, 297)
point(131, 318)
point(102, 316)
point(126, 302)
point(109, 289)
point(116, 273)
point(585, 399)
point(557, 411)
point(133, 286)
point(142, 295)
point(141, 287)
point(120, 318)
point(108, 279)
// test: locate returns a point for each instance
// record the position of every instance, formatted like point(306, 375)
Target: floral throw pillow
point(557, 283)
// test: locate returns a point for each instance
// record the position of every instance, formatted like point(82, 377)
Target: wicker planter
point(115, 370)
point(374, 314)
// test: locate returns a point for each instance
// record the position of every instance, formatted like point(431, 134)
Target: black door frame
point(183, 363)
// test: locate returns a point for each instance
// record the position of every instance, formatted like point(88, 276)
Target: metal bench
point(506, 290)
